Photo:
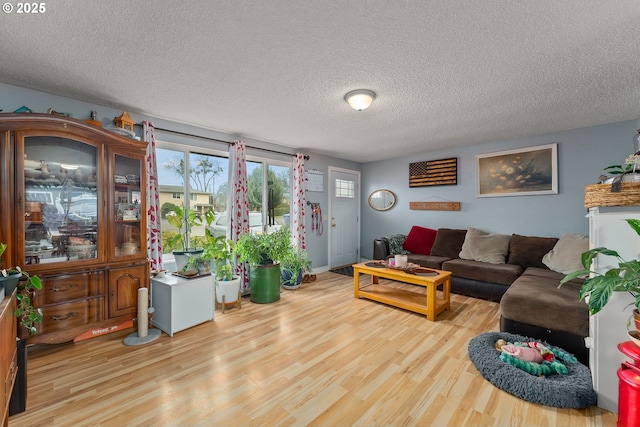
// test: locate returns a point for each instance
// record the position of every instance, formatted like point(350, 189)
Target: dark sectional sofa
point(511, 270)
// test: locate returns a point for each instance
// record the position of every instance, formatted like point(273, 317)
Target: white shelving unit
point(181, 303)
point(608, 228)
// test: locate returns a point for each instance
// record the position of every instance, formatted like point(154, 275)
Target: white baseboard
point(326, 267)
point(318, 270)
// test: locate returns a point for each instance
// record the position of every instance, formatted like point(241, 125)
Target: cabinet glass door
point(61, 200)
point(128, 197)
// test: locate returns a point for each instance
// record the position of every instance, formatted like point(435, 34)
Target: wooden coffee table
point(430, 305)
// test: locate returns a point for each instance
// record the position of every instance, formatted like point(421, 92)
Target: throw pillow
point(448, 242)
point(395, 244)
point(485, 247)
point(528, 251)
point(420, 240)
point(566, 255)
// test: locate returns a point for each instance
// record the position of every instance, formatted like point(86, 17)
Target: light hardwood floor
point(317, 357)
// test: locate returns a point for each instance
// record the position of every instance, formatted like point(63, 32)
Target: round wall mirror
point(382, 200)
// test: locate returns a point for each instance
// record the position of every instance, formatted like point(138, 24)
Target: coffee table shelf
point(430, 304)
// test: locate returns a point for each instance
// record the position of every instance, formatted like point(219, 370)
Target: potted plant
point(599, 287)
point(293, 264)
point(263, 253)
point(28, 316)
point(185, 219)
point(220, 251)
point(9, 277)
point(27, 285)
point(257, 249)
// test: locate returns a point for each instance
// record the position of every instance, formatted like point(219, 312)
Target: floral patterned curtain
point(154, 232)
point(297, 217)
point(238, 204)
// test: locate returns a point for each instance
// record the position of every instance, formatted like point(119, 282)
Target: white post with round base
point(144, 334)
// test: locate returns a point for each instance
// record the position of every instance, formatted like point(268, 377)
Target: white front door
point(344, 217)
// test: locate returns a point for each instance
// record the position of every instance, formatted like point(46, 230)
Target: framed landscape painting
point(521, 172)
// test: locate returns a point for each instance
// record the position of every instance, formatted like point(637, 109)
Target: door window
point(345, 188)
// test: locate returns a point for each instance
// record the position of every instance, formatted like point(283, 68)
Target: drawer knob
point(57, 289)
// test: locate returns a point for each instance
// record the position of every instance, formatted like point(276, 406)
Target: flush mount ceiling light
point(360, 99)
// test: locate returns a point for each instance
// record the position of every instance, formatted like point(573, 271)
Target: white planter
point(227, 291)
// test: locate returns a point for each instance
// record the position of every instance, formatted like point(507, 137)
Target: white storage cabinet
point(181, 303)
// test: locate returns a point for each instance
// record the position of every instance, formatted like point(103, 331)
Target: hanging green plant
point(28, 315)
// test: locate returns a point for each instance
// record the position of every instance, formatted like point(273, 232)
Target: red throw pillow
point(420, 240)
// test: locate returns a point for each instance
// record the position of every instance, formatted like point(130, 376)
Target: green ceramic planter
point(265, 283)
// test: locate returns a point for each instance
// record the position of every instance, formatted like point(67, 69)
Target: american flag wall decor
point(434, 172)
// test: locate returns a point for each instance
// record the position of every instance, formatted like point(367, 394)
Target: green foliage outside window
point(166, 208)
point(276, 187)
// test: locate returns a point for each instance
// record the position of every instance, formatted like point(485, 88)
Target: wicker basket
point(601, 195)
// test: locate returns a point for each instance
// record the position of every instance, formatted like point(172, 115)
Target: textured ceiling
point(447, 73)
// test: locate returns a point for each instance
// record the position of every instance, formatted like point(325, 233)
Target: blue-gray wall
point(582, 156)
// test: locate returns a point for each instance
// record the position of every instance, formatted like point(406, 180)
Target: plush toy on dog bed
point(534, 357)
point(572, 389)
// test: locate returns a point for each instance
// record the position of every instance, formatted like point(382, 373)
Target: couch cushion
point(566, 255)
point(448, 242)
point(545, 273)
point(535, 299)
point(485, 247)
point(428, 261)
point(420, 240)
point(528, 251)
point(503, 274)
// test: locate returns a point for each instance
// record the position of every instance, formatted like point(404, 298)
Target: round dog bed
point(573, 390)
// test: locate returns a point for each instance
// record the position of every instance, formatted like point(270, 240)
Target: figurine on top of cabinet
point(94, 120)
point(58, 113)
point(124, 121)
point(24, 109)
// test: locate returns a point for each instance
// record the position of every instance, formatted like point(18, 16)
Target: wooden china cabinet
point(72, 204)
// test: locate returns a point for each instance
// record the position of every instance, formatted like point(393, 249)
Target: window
point(278, 195)
point(269, 194)
point(345, 188)
point(206, 172)
point(208, 181)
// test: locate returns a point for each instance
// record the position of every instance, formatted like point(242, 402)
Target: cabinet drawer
point(11, 374)
point(68, 287)
point(65, 316)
